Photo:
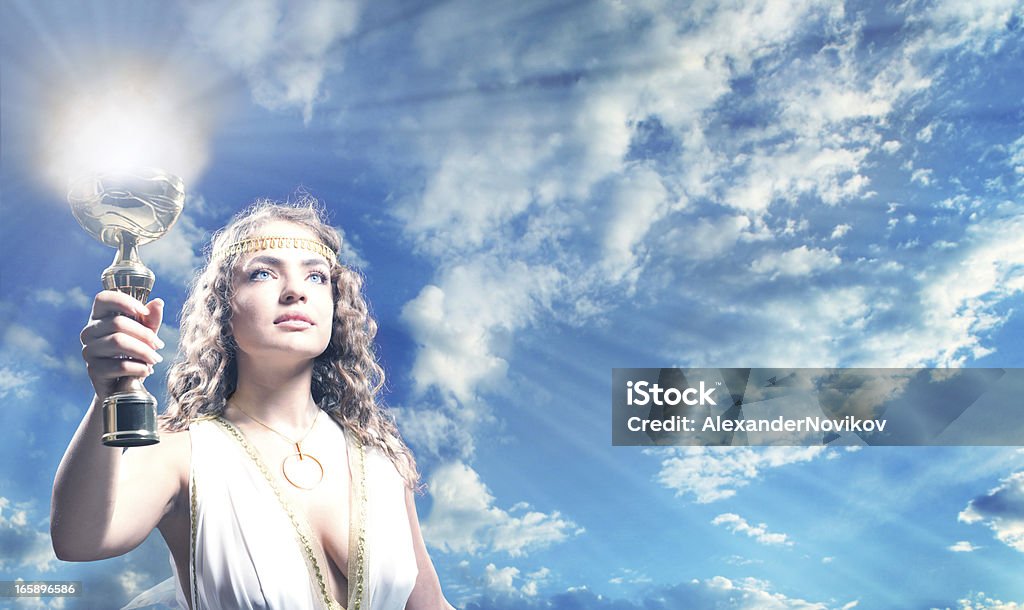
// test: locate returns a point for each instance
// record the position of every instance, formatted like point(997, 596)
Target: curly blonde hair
point(346, 376)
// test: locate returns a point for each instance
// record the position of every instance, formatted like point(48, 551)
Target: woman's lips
point(294, 319)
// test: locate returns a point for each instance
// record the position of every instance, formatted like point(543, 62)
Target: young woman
point(279, 482)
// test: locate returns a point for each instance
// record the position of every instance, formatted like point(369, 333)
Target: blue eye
point(320, 277)
point(260, 274)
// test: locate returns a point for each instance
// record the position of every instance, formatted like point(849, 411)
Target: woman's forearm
point(83, 491)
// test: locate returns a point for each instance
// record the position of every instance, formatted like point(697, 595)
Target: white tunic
point(251, 549)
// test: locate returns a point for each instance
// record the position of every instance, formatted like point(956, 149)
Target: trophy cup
point(124, 210)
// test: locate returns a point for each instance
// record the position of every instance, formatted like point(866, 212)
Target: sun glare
point(125, 126)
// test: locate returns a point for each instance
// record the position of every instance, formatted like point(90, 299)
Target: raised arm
point(105, 501)
point(426, 594)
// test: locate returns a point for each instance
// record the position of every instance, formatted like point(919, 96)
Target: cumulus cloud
point(441, 432)
point(15, 382)
point(24, 345)
point(738, 525)
point(464, 518)
point(1016, 159)
point(974, 26)
point(457, 323)
point(715, 473)
point(706, 238)
point(285, 49)
point(981, 601)
point(74, 297)
point(175, 257)
point(796, 262)
point(840, 231)
point(1002, 510)
point(500, 580)
point(963, 546)
point(957, 299)
point(743, 593)
point(22, 543)
point(638, 200)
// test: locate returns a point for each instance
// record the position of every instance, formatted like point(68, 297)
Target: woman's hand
point(120, 339)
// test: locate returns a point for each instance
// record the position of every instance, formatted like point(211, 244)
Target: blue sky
point(539, 192)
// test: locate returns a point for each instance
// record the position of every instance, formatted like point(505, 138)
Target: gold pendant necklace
point(300, 469)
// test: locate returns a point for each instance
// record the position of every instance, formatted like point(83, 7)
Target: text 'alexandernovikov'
point(816, 406)
point(718, 423)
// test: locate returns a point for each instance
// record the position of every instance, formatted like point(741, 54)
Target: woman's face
point(283, 304)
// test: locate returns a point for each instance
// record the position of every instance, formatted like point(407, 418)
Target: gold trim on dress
point(357, 591)
point(193, 530)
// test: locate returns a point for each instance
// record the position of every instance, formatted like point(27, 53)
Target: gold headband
point(254, 244)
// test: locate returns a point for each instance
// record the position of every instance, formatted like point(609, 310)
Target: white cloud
point(534, 580)
point(707, 238)
point(710, 474)
point(738, 525)
point(840, 231)
point(976, 26)
point(752, 593)
point(957, 298)
point(24, 546)
point(1002, 510)
point(464, 518)
point(445, 431)
point(285, 49)
point(74, 297)
point(925, 134)
point(638, 200)
point(963, 546)
point(508, 581)
point(16, 382)
point(349, 255)
point(176, 256)
point(500, 580)
point(922, 176)
point(629, 576)
point(796, 262)
point(1016, 160)
point(21, 344)
point(457, 323)
point(132, 582)
point(981, 601)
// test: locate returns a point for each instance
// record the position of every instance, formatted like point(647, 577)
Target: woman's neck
point(276, 395)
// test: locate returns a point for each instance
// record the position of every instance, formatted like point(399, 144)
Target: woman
point(278, 482)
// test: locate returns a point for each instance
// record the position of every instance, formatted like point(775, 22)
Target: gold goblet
point(124, 210)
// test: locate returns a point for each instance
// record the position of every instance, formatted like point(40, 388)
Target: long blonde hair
point(346, 376)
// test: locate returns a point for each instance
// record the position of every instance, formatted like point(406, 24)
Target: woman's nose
point(294, 290)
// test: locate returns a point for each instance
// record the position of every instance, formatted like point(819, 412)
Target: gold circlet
point(255, 244)
point(301, 466)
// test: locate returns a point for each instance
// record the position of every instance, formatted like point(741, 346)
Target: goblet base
point(129, 420)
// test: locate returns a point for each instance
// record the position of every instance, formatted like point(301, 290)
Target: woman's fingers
point(120, 345)
point(120, 339)
point(113, 302)
point(105, 370)
point(155, 316)
point(115, 324)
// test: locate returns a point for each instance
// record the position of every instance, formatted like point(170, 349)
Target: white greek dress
point(250, 549)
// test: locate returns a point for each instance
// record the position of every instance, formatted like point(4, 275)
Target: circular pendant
point(302, 470)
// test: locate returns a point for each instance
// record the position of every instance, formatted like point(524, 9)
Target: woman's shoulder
point(175, 445)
